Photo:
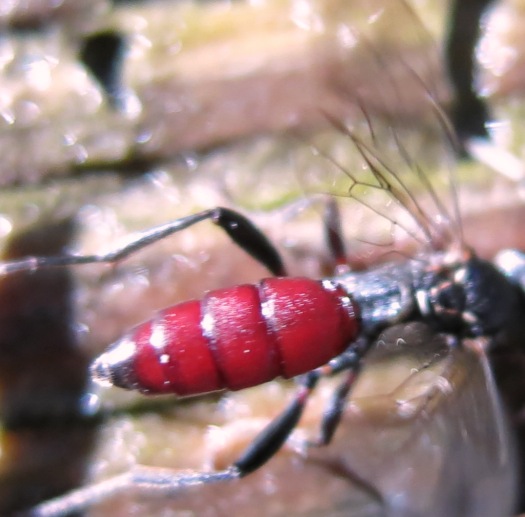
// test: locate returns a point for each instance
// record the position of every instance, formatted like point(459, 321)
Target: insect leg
point(169, 482)
point(240, 229)
point(334, 236)
point(273, 436)
point(246, 235)
point(147, 479)
point(341, 261)
point(351, 362)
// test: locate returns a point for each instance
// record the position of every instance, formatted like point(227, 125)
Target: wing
point(425, 432)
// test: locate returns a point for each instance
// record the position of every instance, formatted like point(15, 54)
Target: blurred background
point(119, 115)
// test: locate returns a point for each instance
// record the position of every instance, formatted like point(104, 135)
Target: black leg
point(273, 436)
point(244, 233)
point(261, 450)
point(350, 361)
point(334, 411)
point(170, 482)
point(334, 236)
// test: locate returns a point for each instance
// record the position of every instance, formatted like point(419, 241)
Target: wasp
point(296, 327)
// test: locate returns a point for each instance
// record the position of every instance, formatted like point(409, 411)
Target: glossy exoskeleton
point(283, 326)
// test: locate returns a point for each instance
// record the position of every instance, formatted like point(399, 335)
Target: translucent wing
point(423, 434)
point(428, 432)
point(386, 148)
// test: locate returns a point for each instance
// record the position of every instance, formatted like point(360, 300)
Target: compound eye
point(451, 297)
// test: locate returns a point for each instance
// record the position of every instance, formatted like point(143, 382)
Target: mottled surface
point(193, 76)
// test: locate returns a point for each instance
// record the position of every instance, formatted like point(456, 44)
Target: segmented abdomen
point(234, 338)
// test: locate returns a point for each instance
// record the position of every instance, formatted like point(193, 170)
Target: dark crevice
point(469, 113)
point(46, 444)
point(103, 55)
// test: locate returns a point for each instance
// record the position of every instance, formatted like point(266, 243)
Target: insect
point(445, 290)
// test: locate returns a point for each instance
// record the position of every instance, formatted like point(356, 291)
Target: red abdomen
point(234, 338)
